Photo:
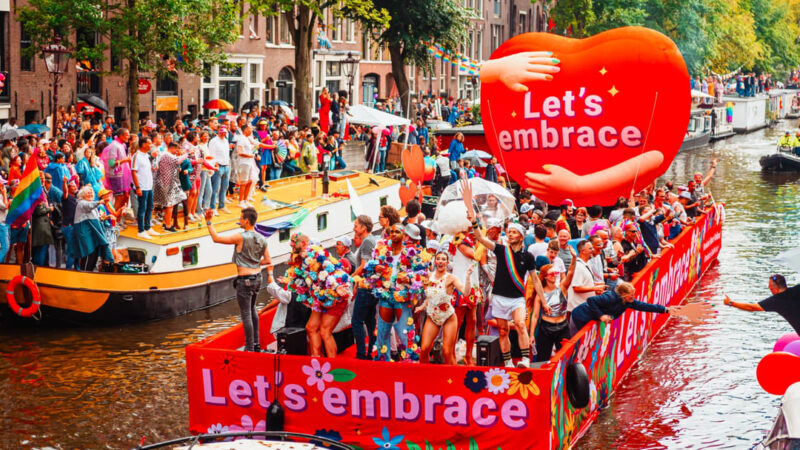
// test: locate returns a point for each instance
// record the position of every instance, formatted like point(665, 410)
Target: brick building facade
point(261, 67)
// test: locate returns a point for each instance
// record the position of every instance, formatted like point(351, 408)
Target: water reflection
point(696, 386)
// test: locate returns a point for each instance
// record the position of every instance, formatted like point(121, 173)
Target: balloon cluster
point(406, 283)
point(781, 368)
point(316, 277)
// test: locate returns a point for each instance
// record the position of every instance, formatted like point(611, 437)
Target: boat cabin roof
point(285, 197)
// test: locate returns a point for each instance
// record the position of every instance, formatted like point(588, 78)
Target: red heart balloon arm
point(558, 182)
point(520, 68)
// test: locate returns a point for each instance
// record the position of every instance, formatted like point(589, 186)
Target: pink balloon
point(784, 340)
point(793, 348)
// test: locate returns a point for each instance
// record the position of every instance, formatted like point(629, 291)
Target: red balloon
point(777, 371)
point(407, 192)
point(611, 120)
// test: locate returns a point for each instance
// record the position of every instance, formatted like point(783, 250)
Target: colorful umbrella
point(35, 128)
point(218, 104)
point(226, 115)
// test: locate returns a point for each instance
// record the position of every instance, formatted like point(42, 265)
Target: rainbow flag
point(29, 193)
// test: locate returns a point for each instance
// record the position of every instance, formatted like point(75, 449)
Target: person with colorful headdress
point(322, 285)
point(398, 278)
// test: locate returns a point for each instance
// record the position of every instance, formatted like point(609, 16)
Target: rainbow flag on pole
point(29, 193)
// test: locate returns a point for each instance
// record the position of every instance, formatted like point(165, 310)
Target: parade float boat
point(417, 406)
point(179, 272)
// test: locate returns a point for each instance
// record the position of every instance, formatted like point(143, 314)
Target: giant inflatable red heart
point(611, 120)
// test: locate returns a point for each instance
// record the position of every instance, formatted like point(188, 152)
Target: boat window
point(383, 200)
point(137, 255)
point(284, 234)
point(322, 221)
point(692, 124)
point(189, 254)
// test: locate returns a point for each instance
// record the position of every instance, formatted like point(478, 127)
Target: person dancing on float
point(397, 276)
point(466, 300)
point(508, 292)
point(322, 285)
point(439, 308)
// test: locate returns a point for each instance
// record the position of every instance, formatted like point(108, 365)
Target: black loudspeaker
point(344, 339)
point(489, 353)
point(291, 341)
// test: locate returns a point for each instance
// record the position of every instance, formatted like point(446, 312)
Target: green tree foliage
point(301, 16)
point(718, 34)
point(156, 36)
point(414, 24)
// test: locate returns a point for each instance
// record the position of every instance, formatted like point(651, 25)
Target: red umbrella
point(85, 108)
point(219, 104)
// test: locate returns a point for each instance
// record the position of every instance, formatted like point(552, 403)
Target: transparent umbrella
point(493, 202)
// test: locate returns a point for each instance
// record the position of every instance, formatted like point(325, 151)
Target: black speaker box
point(489, 353)
point(291, 341)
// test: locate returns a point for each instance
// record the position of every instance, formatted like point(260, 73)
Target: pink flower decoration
point(318, 374)
point(247, 425)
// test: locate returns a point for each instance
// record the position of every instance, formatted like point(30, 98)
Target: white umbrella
point(491, 200)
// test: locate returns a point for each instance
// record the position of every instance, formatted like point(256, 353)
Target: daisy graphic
point(497, 380)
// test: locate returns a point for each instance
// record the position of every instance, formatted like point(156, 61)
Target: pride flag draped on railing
point(28, 194)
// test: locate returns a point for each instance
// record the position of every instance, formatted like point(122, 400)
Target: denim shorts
point(390, 304)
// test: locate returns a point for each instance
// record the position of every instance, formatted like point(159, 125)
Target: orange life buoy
point(12, 301)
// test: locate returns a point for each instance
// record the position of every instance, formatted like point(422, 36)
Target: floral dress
point(460, 265)
point(440, 306)
point(314, 276)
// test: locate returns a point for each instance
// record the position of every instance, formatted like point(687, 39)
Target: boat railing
point(281, 436)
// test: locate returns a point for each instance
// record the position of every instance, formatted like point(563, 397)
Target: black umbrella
point(95, 101)
point(14, 133)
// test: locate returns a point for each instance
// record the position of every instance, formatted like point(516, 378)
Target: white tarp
point(364, 115)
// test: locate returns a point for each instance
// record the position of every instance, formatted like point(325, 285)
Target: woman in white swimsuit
point(439, 307)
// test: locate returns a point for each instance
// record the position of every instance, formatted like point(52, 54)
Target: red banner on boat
point(417, 406)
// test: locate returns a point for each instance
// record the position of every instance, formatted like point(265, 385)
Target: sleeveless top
point(253, 245)
point(557, 302)
point(436, 293)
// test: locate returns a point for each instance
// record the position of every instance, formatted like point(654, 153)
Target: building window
point(351, 31)
point(269, 30)
point(496, 9)
point(286, 36)
point(333, 69)
point(365, 45)
point(206, 73)
point(231, 70)
point(479, 46)
point(26, 62)
point(496, 37)
point(322, 222)
point(254, 73)
point(285, 85)
point(115, 58)
point(166, 83)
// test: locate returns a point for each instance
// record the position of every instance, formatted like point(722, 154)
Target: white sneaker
point(152, 232)
point(242, 205)
point(144, 235)
point(226, 210)
point(524, 363)
point(509, 363)
point(216, 212)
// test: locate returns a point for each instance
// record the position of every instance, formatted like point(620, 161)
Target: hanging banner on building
point(169, 103)
point(610, 120)
point(419, 406)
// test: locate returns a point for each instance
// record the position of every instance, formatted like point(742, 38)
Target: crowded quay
point(586, 237)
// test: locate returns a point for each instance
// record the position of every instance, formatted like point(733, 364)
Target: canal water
point(694, 388)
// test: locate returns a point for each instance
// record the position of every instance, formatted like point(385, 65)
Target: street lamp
point(56, 58)
point(349, 65)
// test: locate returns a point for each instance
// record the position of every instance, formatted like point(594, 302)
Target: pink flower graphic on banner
point(247, 425)
point(318, 374)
